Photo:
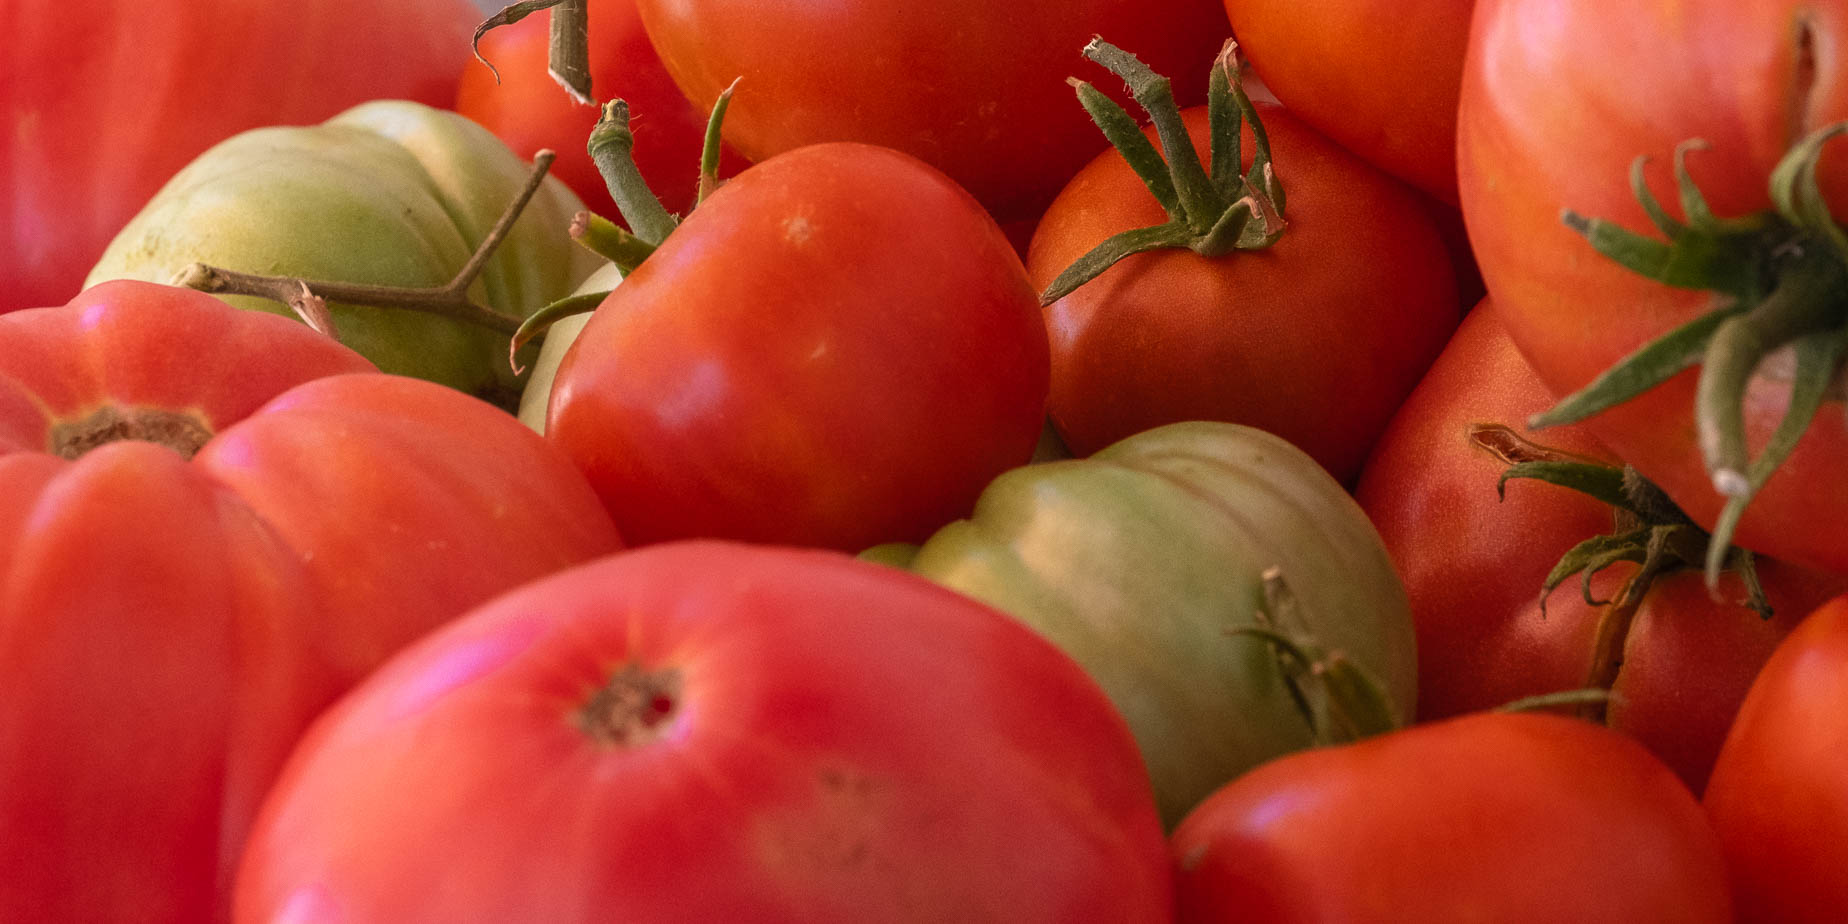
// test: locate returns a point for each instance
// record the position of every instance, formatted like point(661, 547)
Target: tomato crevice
point(179, 431)
point(630, 710)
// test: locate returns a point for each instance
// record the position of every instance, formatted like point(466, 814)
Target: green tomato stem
point(612, 147)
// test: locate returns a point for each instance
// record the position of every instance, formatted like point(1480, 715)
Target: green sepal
point(1604, 482)
point(1654, 363)
point(537, 322)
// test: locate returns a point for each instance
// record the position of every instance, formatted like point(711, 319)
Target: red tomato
point(1502, 817)
point(838, 348)
point(1379, 76)
point(1316, 338)
point(529, 111)
point(169, 627)
point(973, 87)
point(1677, 664)
point(1779, 796)
point(1559, 98)
point(105, 103)
point(705, 732)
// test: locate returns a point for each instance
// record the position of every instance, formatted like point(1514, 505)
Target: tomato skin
point(793, 775)
point(106, 105)
point(1381, 77)
point(1777, 795)
point(838, 348)
point(192, 616)
point(1474, 565)
point(1316, 338)
point(1502, 817)
point(976, 89)
point(528, 110)
point(1608, 84)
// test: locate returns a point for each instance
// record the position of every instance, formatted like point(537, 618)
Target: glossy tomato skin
point(1779, 796)
point(826, 740)
point(1316, 338)
point(528, 110)
point(976, 89)
point(1558, 99)
point(1503, 817)
point(105, 106)
point(1381, 77)
point(838, 348)
point(191, 617)
point(1474, 564)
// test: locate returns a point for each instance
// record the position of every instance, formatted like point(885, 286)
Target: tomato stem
point(610, 241)
point(612, 147)
point(568, 51)
point(505, 16)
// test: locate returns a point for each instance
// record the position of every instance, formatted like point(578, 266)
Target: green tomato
point(388, 193)
point(1142, 561)
point(558, 339)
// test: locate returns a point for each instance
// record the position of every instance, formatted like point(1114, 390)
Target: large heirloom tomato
point(973, 87)
point(706, 731)
point(1779, 795)
point(1560, 99)
point(169, 627)
point(1144, 562)
point(837, 348)
point(1505, 817)
point(1475, 553)
point(388, 193)
point(104, 102)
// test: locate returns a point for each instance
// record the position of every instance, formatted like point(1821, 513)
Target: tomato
point(837, 348)
point(528, 110)
point(169, 627)
point(1559, 99)
point(1316, 338)
point(1142, 560)
point(1779, 795)
point(1505, 817)
point(1379, 76)
point(975, 88)
point(389, 193)
point(1676, 659)
point(702, 731)
point(103, 106)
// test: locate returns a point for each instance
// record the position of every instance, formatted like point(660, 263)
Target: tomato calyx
point(1338, 698)
point(1211, 214)
point(179, 431)
point(1781, 278)
point(633, 708)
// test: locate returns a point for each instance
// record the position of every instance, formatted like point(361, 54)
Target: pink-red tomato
point(1379, 76)
point(973, 87)
point(105, 101)
point(706, 731)
point(215, 521)
point(1316, 338)
point(838, 348)
point(1779, 794)
point(1504, 817)
point(528, 110)
point(1474, 563)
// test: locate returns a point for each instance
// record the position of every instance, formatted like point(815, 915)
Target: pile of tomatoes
point(1032, 461)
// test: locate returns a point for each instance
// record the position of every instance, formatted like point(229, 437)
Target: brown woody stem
point(568, 59)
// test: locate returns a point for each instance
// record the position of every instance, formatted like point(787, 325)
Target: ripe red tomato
point(1316, 338)
point(973, 87)
point(1474, 563)
point(169, 627)
point(1779, 795)
point(837, 348)
point(1505, 817)
point(1559, 98)
point(529, 111)
point(104, 106)
point(1379, 76)
point(709, 731)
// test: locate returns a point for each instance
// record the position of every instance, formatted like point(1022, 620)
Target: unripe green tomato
point(1141, 560)
point(389, 193)
point(558, 339)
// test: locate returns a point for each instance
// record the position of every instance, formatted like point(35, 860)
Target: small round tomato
point(1779, 794)
point(706, 731)
point(837, 348)
point(1503, 817)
